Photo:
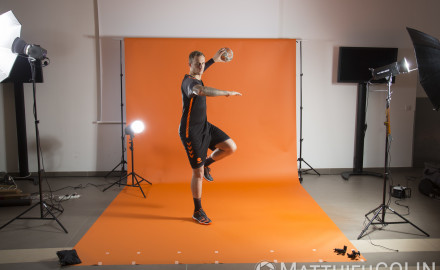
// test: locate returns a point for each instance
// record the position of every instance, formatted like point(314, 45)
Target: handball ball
point(228, 55)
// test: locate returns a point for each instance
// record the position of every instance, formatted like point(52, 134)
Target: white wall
point(329, 114)
point(68, 106)
point(67, 100)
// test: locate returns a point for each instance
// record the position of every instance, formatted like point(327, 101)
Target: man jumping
point(196, 133)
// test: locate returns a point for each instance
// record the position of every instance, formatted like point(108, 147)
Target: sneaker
point(201, 217)
point(207, 174)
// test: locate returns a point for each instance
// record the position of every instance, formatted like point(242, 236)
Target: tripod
point(134, 176)
point(122, 162)
point(43, 205)
point(381, 209)
point(300, 159)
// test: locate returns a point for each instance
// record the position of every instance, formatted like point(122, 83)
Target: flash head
point(35, 51)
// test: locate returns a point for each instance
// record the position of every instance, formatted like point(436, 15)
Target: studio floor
point(32, 244)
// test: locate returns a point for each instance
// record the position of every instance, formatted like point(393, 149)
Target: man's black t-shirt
point(194, 117)
point(196, 133)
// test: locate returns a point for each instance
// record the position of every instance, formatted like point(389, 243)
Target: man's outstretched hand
point(233, 93)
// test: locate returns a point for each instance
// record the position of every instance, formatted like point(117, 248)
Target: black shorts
point(199, 140)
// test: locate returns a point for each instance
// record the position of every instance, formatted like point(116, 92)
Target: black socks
point(197, 204)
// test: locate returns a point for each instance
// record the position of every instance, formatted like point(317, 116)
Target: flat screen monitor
point(355, 62)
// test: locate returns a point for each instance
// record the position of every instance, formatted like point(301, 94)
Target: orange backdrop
point(273, 219)
point(262, 122)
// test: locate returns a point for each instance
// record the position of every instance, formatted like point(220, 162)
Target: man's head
point(196, 63)
point(193, 55)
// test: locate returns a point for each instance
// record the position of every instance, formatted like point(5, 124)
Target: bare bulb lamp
point(135, 128)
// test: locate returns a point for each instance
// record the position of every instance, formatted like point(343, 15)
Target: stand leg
point(43, 218)
point(382, 209)
point(123, 162)
point(407, 221)
point(134, 177)
point(143, 179)
point(53, 217)
point(118, 182)
point(300, 170)
point(377, 211)
point(18, 217)
point(311, 168)
point(53, 207)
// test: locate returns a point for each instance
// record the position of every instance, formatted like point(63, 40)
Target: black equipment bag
point(430, 183)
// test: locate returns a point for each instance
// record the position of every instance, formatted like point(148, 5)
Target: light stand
point(122, 162)
point(134, 176)
point(381, 209)
point(43, 205)
point(300, 159)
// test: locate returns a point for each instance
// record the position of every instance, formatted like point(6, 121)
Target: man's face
point(197, 65)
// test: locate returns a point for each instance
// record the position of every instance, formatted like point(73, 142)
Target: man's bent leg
point(223, 149)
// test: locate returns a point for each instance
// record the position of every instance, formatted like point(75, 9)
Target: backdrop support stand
point(123, 162)
point(300, 159)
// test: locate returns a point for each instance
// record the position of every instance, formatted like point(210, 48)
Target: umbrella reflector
point(10, 29)
point(427, 50)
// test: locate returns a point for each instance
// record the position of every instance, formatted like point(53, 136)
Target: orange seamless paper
point(262, 122)
point(271, 219)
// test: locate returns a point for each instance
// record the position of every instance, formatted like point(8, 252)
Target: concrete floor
point(32, 244)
